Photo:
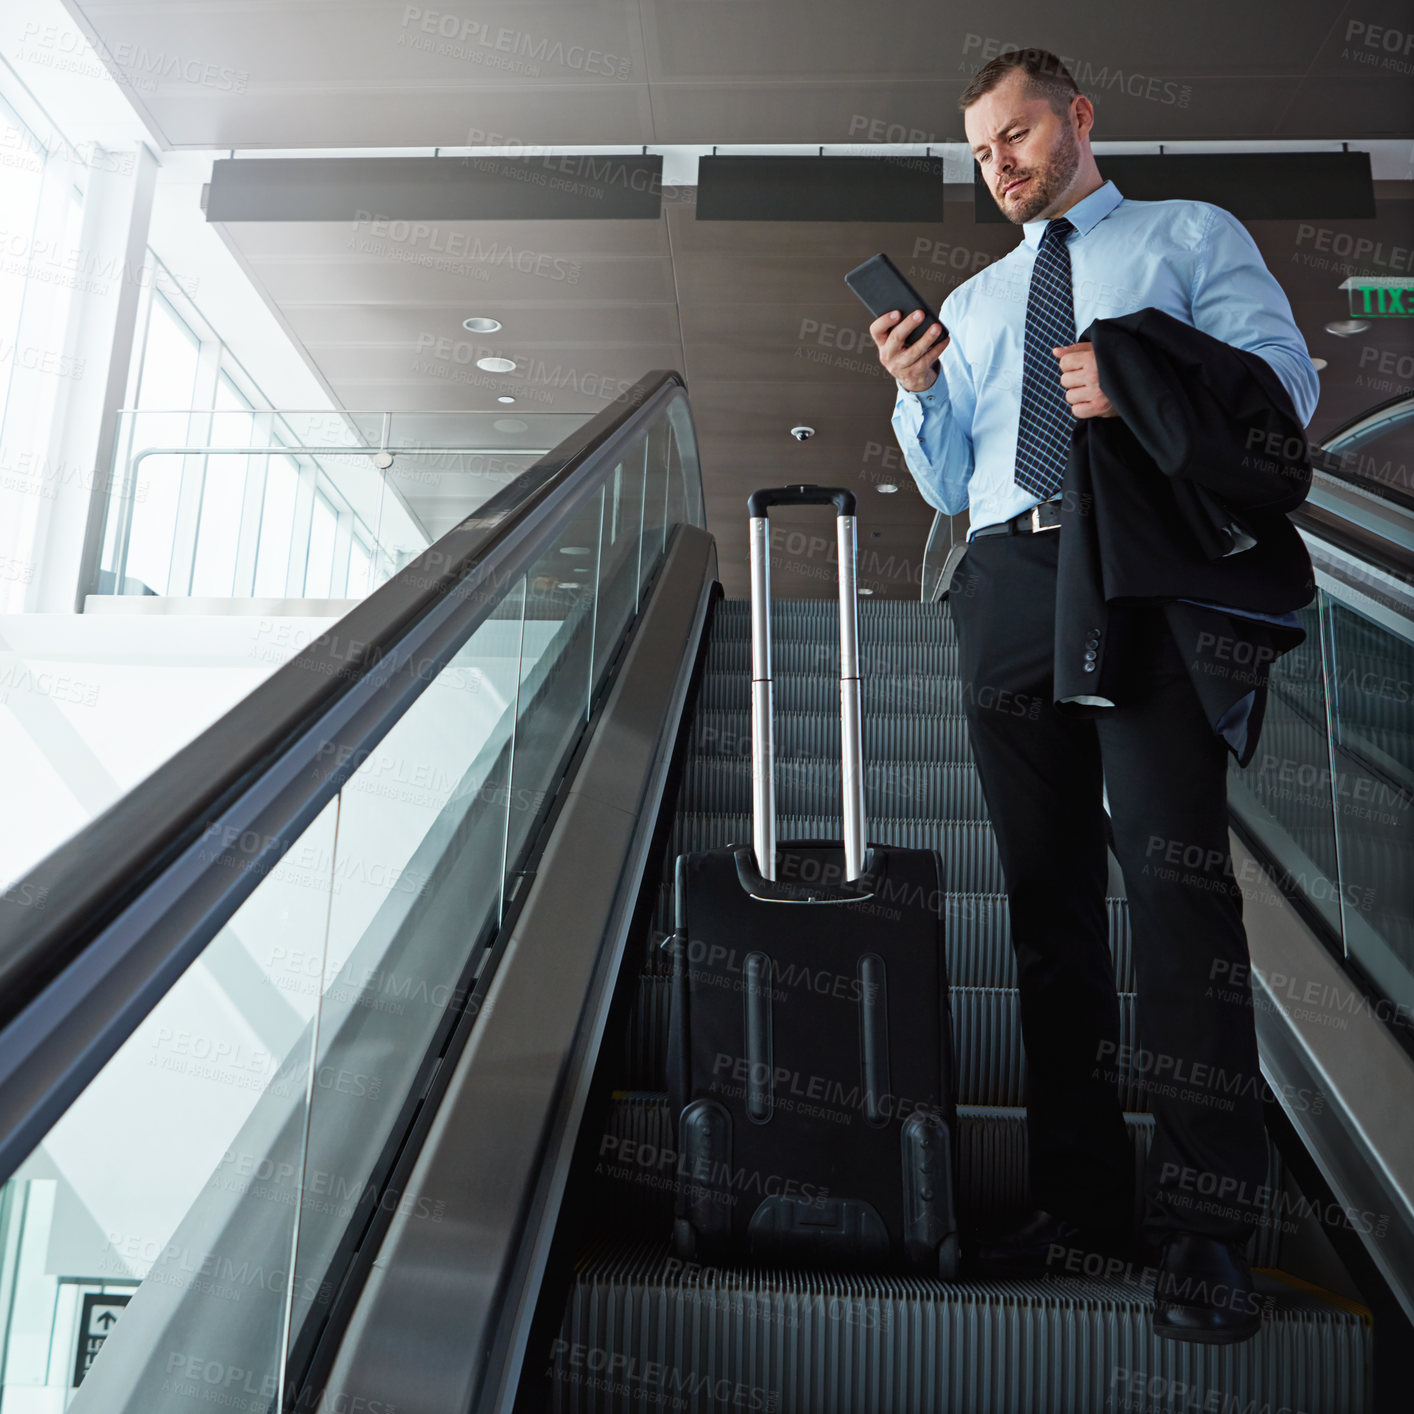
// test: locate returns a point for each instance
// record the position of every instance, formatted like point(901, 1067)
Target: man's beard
point(1047, 182)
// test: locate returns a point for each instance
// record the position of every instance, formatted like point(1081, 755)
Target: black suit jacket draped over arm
point(1183, 496)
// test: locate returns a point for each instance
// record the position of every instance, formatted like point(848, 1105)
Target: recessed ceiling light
point(866, 591)
point(479, 324)
point(1318, 364)
point(568, 584)
point(505, 398)
point(1346, 327)
point(574, 549)
point(510, 424)
point(581, 569)
point(887, 488)
point(496, 365)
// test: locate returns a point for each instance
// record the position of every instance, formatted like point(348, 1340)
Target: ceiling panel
point(377, 115)
point(540, 325)
point(380, 73)
point(479, 243)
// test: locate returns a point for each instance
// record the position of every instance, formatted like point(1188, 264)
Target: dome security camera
point(802, 434)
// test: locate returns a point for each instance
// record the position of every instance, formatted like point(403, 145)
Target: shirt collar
point(1084, 215)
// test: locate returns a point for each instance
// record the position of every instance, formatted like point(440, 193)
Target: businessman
point(985, 418)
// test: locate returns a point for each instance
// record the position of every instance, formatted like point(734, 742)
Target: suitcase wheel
point(949, 1258)
point(684, 1239)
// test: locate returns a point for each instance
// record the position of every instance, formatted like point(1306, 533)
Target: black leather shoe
point(1045, 1242)
point(1203, 1292)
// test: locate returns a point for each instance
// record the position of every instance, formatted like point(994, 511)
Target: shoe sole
point(1235, 1335)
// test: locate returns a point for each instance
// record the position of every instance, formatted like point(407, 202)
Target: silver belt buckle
point(1036, 526)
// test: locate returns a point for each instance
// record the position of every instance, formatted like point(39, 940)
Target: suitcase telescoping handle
point(763, 752)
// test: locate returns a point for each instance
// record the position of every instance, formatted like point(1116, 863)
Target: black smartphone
point(882, 287)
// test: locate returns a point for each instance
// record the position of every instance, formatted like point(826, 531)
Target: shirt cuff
point(929, 398)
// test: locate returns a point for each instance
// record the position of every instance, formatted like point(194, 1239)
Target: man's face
point(1028, 154)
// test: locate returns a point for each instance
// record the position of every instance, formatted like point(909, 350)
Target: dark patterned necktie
point(1044, 432)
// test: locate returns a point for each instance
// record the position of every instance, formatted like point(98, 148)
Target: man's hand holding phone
point(915, 367)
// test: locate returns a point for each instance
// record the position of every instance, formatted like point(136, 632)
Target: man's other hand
point(1081, 380)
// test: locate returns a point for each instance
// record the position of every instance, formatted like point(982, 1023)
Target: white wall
point(91, 704)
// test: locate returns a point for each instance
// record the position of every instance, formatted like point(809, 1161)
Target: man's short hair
point(1046, 77)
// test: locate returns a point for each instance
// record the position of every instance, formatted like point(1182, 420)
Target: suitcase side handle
point(763, 750)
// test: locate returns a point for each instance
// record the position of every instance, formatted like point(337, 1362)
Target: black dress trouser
point(1165, 772)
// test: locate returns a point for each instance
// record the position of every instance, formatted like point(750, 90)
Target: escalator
point(641, 1328)
point(332, 1058)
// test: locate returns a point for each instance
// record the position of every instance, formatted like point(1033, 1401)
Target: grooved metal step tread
point(886, 736)
point(823, 656)
point(810, 785)
point(644, 1331)
point(820, 692)
point(883, 614)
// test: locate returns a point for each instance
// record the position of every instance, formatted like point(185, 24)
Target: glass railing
point(941, 537)
point(175, 1240)
point(300, 505)
point(1329, 795)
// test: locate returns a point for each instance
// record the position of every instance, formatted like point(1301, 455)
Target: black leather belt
point(1045, 516)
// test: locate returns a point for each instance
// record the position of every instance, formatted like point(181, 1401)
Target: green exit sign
point(1380, 297)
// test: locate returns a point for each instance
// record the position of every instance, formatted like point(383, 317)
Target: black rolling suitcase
point(810, 1063)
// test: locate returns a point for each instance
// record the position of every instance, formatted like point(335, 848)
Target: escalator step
point(822, 657)
point(887, 737)
point(643, 1331)
point(986, 1042)
point(987, 1046)
point(808, 785)
point(636, 1172)
point(977, 936)
point(891, 621)
point(820, 692)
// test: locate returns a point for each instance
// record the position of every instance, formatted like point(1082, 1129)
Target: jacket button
point(1090, 656)
point(1089, 667)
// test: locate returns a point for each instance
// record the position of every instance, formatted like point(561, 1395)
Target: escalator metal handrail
point(1333, 460)
point(93, 936)
point(1333, 464)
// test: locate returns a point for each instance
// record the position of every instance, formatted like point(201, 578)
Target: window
point(219, 524)
point(225, 487)
point(169, 358)
point(277, 520)
point(360, 569)
point(41, 214)
point(20, 187)
point(323, 529)
point(166, 383)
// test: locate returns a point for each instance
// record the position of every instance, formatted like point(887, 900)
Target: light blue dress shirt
point(1189, 258)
